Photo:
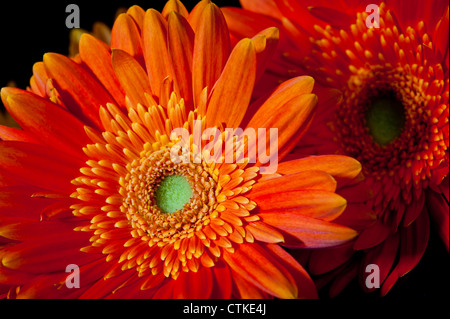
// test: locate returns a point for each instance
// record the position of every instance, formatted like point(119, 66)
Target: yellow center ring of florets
point(381, 118)
point(140, 201)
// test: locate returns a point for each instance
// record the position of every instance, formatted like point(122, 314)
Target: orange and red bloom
point(393, 116)
point(87, 178)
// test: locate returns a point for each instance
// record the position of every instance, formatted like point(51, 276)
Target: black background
point(28, 30)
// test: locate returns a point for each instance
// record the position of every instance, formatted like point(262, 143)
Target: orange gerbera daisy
point(391, 65)
point(90, 180)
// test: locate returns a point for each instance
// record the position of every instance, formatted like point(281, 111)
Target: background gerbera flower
point(88, 179)
point(393, 116)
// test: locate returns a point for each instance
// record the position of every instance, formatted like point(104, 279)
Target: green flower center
point(385, 118)
point(173, 193)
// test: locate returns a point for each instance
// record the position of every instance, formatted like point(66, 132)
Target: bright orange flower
point(89, 179)
point(393, 116)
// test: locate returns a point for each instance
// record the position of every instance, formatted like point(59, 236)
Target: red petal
point(25, 229)
point(373, 236)
point(13, 277)
point(413, 210)
point(324, 260)
point(413, 243)
point(246, 24)
point(104, 287)
point(190, 285)
point(17, 201)
point(383, 256)
point(337, 19)
point(47, 255)
point(438, 208)
point(223, 281)
point(267, 7)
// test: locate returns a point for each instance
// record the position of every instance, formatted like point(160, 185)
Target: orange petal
point(81, 93)
point(40, 78)
point(342, 168)
point(125, 36)
point(302, 231)
point(138, 14)
point(264, 232)
point(174, 6)
point(291, 119)
point(313, 203)
point(131, 76)
point(232, 93)
point(181, 48)
point(275, 102)
point(247, 290)
point(55, 126)
point(305, 285)
point(194, 17)
point(258, 266)
point(317, 180)
point(285, 92)
point(212, 47)
point(154, 35)
point(266, 44)
point(97, 56)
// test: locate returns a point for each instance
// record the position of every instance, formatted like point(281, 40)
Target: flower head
point(90, 178)
point(391, 65)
